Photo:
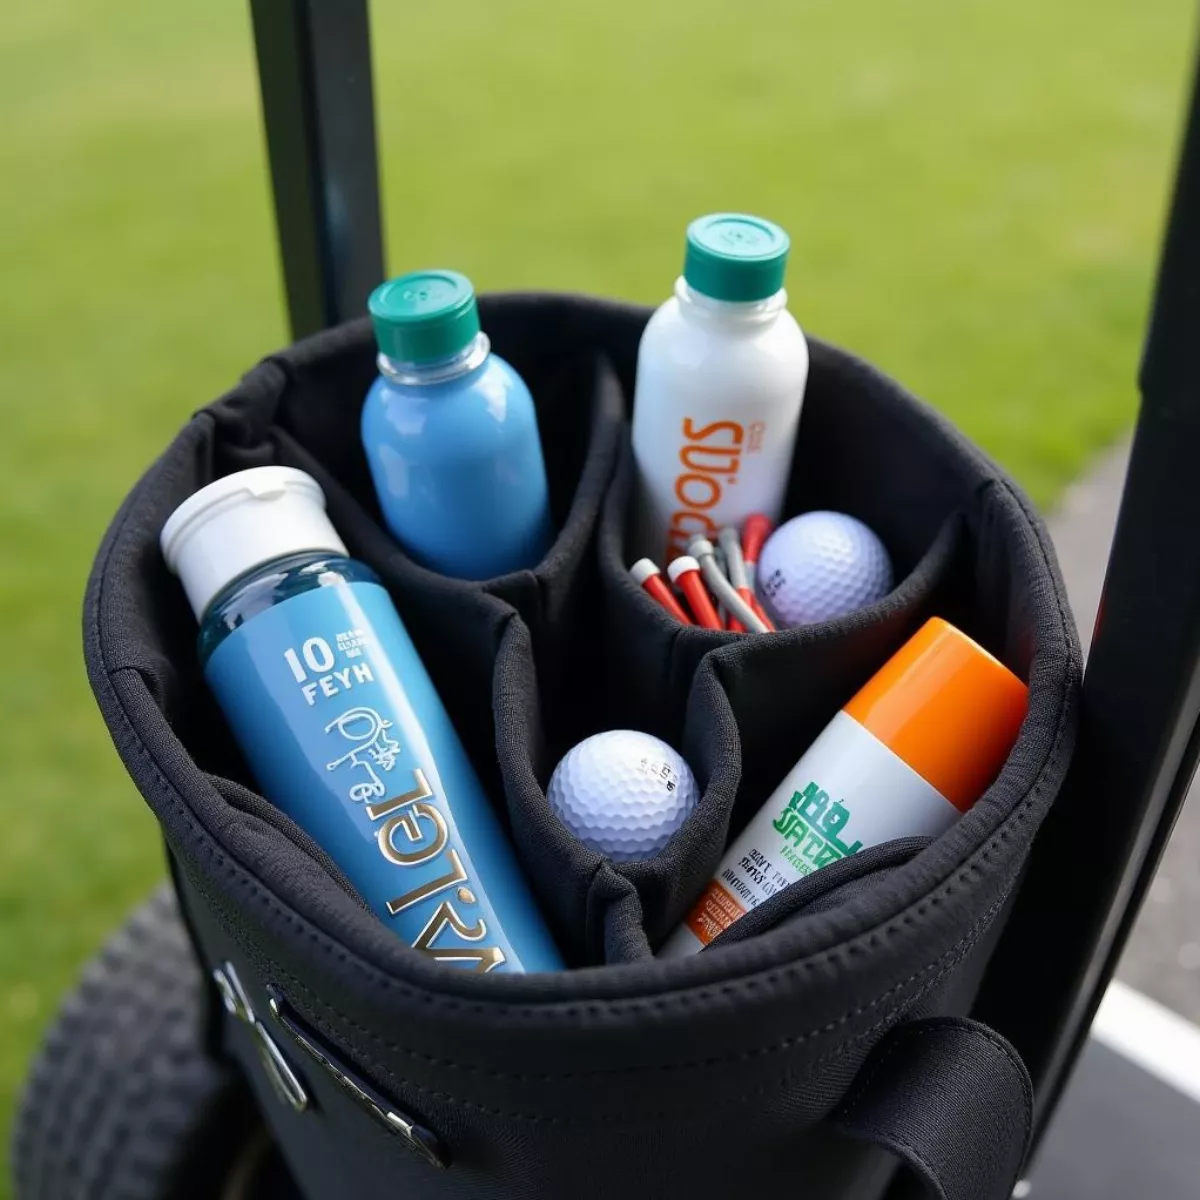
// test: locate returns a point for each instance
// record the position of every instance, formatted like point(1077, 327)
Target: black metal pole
point(1102, 843)
point(314, 69)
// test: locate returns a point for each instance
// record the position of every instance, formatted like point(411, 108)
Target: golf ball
point(822, 565)
point(622, 793)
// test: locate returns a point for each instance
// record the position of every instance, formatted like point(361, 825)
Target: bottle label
point(343, 730)
point(710, 461)
point(847, 792)
point(715, 414)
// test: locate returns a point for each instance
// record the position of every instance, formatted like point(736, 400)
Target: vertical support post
point(314, 69)
point(1098, 851)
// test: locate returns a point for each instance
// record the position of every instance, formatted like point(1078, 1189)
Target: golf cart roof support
point(1094, 859)
point(314, 70)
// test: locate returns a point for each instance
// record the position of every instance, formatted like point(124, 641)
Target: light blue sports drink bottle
point(450, 433)
point(340, 722)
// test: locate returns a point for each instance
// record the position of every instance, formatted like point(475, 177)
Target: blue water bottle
point(451, 435)
point(341, 724)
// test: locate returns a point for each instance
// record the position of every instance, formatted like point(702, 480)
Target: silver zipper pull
point(420, 1138)
point(284, 1080)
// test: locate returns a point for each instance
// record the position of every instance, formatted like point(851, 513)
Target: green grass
point(974, 193)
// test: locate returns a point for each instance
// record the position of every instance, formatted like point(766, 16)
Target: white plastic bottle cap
point(240, 522)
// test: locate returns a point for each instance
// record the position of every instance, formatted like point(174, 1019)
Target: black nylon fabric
point(967, 1139)
point(717, 1068)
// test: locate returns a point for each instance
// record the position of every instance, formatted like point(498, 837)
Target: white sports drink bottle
point(721, 373)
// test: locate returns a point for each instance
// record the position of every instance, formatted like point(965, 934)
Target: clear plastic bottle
point(450, 434)
point(341, 724)
point(721, 373)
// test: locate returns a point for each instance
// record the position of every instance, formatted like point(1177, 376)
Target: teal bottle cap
point(424, 316)
point(735, 257)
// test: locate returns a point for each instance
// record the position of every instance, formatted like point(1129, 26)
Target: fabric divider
point(825, 889)
point(586, 897)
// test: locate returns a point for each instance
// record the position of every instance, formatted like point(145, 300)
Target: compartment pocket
point(654, 658)
point(603, 911)
point(823, 890)
point(783, 688)
point(580, 412)
point(580, 407)
point(582, 417)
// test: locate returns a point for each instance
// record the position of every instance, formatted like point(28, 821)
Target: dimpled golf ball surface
point(622, 793)
point(822, 565)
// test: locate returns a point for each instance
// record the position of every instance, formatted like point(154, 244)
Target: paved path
point(1163, 956)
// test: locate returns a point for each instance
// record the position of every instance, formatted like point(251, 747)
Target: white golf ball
point(822, 565)
point(622, 793)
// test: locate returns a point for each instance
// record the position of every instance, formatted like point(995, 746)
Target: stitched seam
point(93, 627)
point(1035, 524)
point(1064, 619)
point(917, 1156)
point(1022, 1078)
point(401, 1085)
point(717, 1061)
point(951, 959)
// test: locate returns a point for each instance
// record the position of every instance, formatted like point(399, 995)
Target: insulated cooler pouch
point(810, 1057)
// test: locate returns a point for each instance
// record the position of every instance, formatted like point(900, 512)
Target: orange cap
point(945, 706)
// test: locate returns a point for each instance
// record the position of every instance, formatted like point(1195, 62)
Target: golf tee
point(735, 566)
point(701, 550)
point(755, 531)
point(685, 574)
point(649, 578)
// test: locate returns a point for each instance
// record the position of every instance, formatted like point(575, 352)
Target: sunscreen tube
point(910, 753)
